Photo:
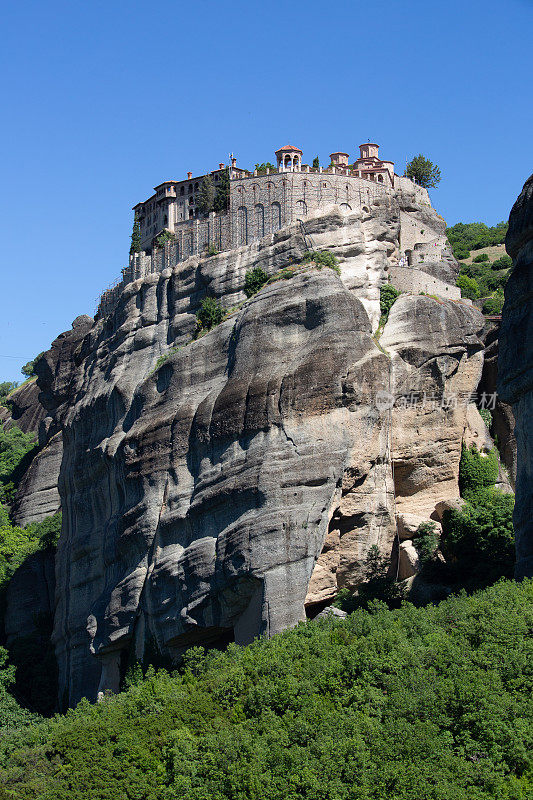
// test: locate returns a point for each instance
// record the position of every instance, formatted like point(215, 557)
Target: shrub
point(164, 237)
point(387, 297)
point(262, 168)
point(427, 541)
point(469, 287)
point(478, 540)
point(480, 258)
point(505, 262)
point(254, 280)
point(15, 447)
point(210, 313)
point(29, 369)
point(493, 305)
point(322, 258)
point(476, 470)
point(486, 416)
point(212, 250)
point(473, 236)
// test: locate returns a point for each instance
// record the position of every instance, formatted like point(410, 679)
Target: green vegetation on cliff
point(15, 446)
point(430, 703)
point(464, 237)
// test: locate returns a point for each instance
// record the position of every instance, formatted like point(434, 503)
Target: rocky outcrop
point(25, 410)
point(436, 357)
point(37, 494)
point(214, 487)
point(515, 367)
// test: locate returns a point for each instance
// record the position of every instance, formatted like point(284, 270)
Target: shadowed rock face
point(515, 367)
point(206, 508)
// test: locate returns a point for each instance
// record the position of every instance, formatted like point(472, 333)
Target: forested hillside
point(413, 703)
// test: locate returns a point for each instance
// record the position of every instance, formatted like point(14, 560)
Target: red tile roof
point(289, 147)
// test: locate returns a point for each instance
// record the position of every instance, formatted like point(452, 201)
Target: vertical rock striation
point(515, 367)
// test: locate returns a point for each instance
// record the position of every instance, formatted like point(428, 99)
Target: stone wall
point(414, 281)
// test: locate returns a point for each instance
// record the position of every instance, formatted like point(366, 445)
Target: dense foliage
point(209, 314)
point(164, 237)
point(322, 258)
point(135, 246)
point(206, 196)
point(433, 703)
point(29, 369)
point(16, 544)
point(14, 448)
point(387, 297)
point(477, 470)
point(469, 287)
point(254, 280)
point(422, 171)
point(464, 237)
point(221, 201)
point(262, 168)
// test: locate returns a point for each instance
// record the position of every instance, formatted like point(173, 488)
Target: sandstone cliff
point(215, 493)
point(515, 367)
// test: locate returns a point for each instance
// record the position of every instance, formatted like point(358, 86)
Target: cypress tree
point(135, 246)
point(222, 193)
point(206, 198)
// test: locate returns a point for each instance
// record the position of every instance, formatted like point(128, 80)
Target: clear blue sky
point(104, 100)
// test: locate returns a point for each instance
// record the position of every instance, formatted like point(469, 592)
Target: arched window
point(380, 178)
point(345, 208)
point(276, 216)
point(301, 208)
point(259, 220)
point(242, 215)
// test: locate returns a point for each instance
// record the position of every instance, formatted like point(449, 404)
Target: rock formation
point(515, 367)
point(214, 487)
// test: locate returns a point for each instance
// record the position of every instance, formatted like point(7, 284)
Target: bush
point(469, 287)
point(164, 237)
point(15, 447)
point(210, 313)
point(493, 305)
point(486, 416)
point(254, 280)
point(477, 471)
point(427, 541)
point(478, 540)
point(212, 250)
point(387, 297)
point(322, 258)
point(505, 262)
point(480, 258)
point(29, 369)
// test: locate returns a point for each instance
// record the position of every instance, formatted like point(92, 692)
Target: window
point(182, 190)
point(301, 208)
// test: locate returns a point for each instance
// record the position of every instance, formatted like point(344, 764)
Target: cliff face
point(36, 409)
point(515, 367)
point(213, 496)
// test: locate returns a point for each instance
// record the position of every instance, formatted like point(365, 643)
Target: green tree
point(210, 313)
point(477, 470)
point(135, 246)
point(221, 201)
point(14, 447)
point(316, 163)
point(29, 369)
point(254, 280)
point(262, 168)
point(387, 297)
point(469, 287)
point(493, 305)
point(480, 258)
point(206, 197)
point(423, 172)
point(6, 387)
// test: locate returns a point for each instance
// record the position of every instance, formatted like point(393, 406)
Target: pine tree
point(135, 237)
point(422, 171)
point(206, 198)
